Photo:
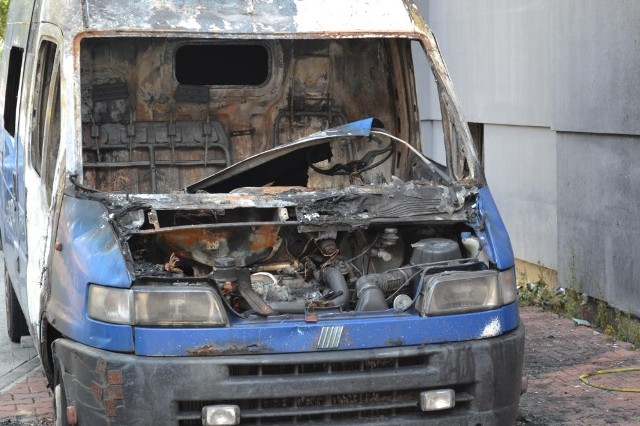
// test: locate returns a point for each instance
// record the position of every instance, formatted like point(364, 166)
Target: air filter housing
point(432, 250)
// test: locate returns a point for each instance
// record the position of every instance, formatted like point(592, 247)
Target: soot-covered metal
point(287, 250)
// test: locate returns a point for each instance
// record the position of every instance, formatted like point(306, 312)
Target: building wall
point(520, 165)
point(497, 54)
point(598, 220)
point(597, 66)
point(597, 120)
point(557, 85)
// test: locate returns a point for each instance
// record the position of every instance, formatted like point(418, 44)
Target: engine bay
point(266, 269)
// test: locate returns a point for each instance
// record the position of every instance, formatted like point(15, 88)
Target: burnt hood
point(288, 161)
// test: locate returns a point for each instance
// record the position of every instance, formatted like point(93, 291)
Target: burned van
point(219, 213)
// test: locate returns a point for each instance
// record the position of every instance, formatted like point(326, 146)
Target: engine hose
point(370, 297)
point(388, 282)
point(334, 278)
point(288, 307)
point(252, 298)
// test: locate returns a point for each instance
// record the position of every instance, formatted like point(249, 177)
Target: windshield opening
point(144, 131)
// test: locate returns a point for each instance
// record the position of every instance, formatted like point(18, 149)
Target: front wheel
point(59, 399)
point(16, 322)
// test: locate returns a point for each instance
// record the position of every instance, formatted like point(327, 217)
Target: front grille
point(363, 402)
point(323, 408)
point(368, 365)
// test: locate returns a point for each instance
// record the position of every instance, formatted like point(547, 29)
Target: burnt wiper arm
point(432, 167)
point(74, 180)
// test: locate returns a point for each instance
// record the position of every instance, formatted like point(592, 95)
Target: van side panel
point(13, 188)
point(88, 253)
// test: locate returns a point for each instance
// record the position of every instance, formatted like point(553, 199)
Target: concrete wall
point(497, 54)
point(598, 219)
point(597, 119)
point(557, 84)
point(597, 66)
point(520, 164)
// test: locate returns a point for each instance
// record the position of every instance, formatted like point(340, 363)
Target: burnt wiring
point(363, 253)
point(358, 166)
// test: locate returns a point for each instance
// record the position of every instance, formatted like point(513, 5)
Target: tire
point(59, 399)
point(16, 323)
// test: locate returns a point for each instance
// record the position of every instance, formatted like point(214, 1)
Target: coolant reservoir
point(472, 244)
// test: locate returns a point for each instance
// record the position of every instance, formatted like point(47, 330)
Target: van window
point(43, 102)
point(222, 64)
point(11, 91)
point(52, 136)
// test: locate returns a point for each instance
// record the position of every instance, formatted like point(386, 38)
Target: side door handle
point(14, 175)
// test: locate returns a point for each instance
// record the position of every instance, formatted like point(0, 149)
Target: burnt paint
point(226, 15)
point(203, 245)
point(211, 349)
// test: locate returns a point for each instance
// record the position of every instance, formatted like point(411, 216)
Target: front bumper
point(372, 386)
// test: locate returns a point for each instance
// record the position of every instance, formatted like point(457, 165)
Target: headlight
point(508, 285)
point(110, 304)
point(178, 306)
point(157, 306)
point(465, 291)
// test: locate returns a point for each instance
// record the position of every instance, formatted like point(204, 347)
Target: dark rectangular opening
point(222, 64)
point(477, 133)
point(11, 92)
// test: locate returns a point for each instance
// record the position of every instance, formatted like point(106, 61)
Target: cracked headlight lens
point(168, 306)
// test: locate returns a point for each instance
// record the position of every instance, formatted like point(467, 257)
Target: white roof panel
point(253, 16)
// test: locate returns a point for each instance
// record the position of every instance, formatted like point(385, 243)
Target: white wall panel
point(520, 165)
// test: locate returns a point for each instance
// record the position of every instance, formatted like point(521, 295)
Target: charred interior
point(161, 113)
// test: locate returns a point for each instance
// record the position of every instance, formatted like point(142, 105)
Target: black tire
point(59, 398)
point(16, 323)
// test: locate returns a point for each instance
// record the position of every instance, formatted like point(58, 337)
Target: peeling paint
point(492, 329)
point(211, 349)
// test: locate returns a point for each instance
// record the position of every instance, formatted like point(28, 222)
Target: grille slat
point(307, 411)
point(325, 405)
point(378, 365)
point(321, 408)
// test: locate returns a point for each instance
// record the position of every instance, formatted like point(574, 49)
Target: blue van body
point(238, 245)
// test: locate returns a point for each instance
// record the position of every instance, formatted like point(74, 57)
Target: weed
point(572, 303)
point(602, 314)
point(538, 294)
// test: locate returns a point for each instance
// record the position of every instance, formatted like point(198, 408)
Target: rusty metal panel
point(251, 16)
